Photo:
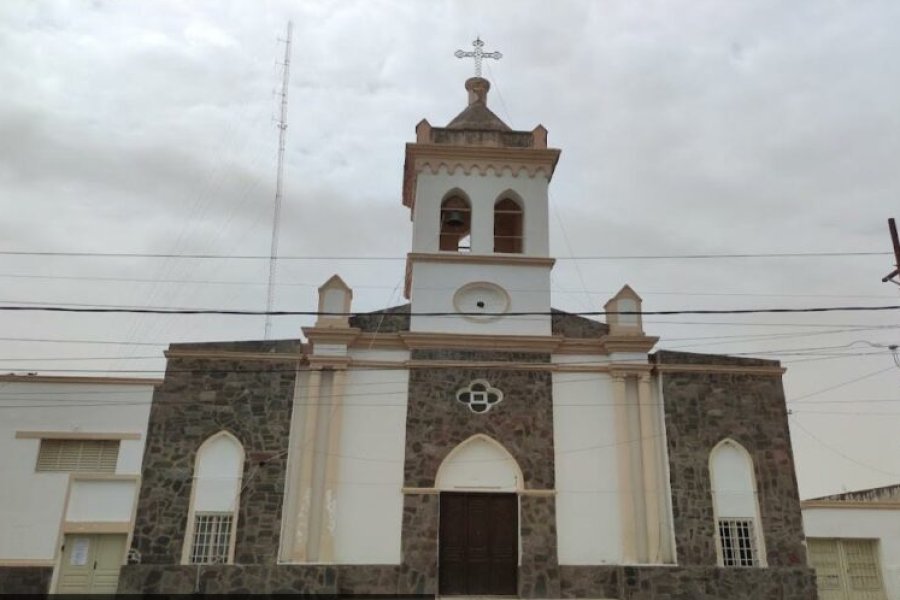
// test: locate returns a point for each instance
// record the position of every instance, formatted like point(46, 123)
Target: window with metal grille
point(738, 543)
point(94, 456)
point(212, 538)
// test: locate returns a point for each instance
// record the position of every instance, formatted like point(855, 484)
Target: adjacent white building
point(72, 449)
point(853, 542)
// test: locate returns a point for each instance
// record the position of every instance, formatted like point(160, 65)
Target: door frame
point(486, 491)
point(67, 527)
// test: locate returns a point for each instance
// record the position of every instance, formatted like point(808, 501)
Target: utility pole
point(279, 183)
point(892, 226)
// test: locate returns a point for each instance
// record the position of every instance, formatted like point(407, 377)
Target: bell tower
point(477, 193)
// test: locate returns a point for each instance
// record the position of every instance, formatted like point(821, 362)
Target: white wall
point(588, 518)
point(32, 503)
point(434, 285)
point(483, 191)
point(880, 524)
point(101, 500)
point(370, 473)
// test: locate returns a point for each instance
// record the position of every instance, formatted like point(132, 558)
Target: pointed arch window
point(508, 217)
point(215, 497)
point(456, 224)
point(739, 541)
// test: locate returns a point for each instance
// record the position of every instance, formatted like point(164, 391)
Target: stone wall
point(252, 399)
point(522, 423)
point(436, 422)
point(687, 583)
point(388, 320)
point(576, 326)
point(702, 409)
point(25, 580)
point(262, 579)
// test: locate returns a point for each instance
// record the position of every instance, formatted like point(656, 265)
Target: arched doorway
point(478, 551)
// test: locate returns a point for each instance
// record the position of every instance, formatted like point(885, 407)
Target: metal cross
point(478, 54)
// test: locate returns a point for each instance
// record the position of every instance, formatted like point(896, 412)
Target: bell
point(454, 218)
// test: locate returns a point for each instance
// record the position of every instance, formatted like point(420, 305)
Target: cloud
point(689, 128)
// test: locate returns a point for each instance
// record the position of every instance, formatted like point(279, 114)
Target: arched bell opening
point(456, 225)
point(508, 218)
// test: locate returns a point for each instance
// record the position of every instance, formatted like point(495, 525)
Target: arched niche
point(479, 463)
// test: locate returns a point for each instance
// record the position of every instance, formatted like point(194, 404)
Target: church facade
point(474, 441)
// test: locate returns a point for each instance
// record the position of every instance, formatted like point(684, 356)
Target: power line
point(78, 341)
point(312, 313)
point(557, 290)
point(838, 452)
point(201, 256)
point(844, 383)
point(397, 367)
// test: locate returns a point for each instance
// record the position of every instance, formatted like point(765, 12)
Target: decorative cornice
point(76, 379)
point(524, 343)
point(480, 364)
point(329, 362)
point(555, 344)
point(516, 260)
point(626, 369)
point(434, 157)
point(581, 346)
point(723, 369)
point(331, 335)
point(626, 343)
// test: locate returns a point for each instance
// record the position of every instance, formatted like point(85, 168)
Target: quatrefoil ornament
point(479, 396)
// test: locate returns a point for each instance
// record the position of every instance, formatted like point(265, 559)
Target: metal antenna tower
point(279, 180)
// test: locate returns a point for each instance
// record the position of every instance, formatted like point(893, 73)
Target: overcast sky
point(686, 128)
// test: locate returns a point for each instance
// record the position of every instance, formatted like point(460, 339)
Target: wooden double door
point(479, 543)
point(91, 563)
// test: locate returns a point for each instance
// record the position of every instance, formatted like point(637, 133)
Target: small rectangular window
point(212, 538)
point(90, 456)
point(738, 543)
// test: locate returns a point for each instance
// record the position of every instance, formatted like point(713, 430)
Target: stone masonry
point(251, 398)
point(198, 398)
point(25, 580)
point(522, 423)
point(701, 410)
